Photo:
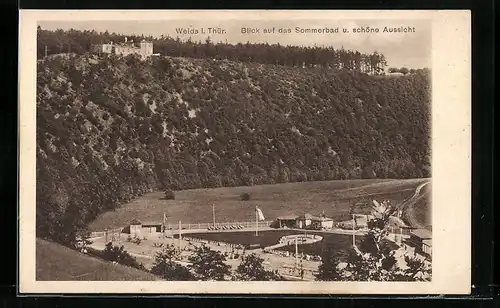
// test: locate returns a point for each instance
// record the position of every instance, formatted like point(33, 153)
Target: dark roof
point(135, 222)
point(422, 233)
point(288, 217)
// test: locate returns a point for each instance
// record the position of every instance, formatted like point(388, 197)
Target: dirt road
point(408, 207)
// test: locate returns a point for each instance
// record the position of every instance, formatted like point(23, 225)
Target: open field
point(195, 206)
point(58, 263)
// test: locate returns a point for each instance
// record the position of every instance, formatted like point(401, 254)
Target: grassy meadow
point(58, 263)
point(335, 198)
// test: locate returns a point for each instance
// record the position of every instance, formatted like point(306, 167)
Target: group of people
point(214, 243)
point(301, 256)
point(289, 240)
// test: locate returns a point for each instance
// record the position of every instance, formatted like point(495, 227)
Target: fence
point(112, 233)
point(221, 225)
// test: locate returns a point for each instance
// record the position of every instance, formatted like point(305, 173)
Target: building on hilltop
point(145, 49)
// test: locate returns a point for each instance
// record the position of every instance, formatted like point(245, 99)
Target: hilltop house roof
point(135, 222)
point(422, 233)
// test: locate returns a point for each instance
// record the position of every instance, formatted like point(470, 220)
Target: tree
point(169, 194)
point(208, 264)
point(376, 259)
point(404, 70)
point(252, 269)
point(165, 266)
point(245, 196)
point(83, 241)
point(328, 269)
point(120, 255)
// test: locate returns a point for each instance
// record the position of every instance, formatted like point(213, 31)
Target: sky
point(412, 50)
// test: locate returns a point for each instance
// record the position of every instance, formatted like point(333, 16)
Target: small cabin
point(421, 239)
point(304, 221)
point(138, 229)
point(135, 228)
point(322, 222)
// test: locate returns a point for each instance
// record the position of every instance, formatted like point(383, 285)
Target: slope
point(58, 263)
point(417, 210)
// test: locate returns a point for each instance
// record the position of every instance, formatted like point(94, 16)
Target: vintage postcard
point(250, 152)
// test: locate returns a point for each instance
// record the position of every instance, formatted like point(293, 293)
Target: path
point(408, 205)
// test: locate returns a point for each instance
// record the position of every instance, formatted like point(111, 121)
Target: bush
point(404, 70)
point(169, 194)
point(245, 197)
point(120, 255)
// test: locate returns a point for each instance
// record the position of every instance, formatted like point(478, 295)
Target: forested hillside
point(110, 129)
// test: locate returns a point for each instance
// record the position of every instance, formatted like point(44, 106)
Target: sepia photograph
point(205, 148)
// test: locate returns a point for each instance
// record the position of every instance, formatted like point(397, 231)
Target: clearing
point(336, 198)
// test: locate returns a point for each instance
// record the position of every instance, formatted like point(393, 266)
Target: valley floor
point(335, 198)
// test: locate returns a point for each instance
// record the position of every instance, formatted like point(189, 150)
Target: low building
point(141, 229)
point(421, 240)
point(322, 222)
point(308, 221)
point(427, 247)
point(135, 228)
point(304, 221)
point(151, 227)
point(287, 221)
